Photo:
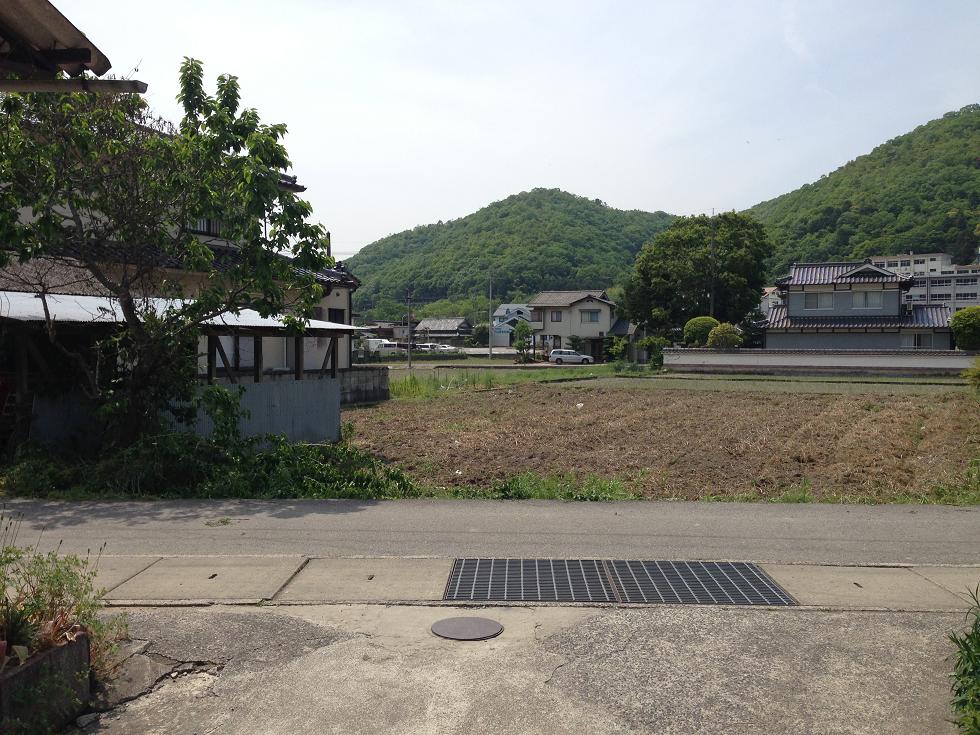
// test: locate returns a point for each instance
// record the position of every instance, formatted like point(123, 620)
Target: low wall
point(302, 410)
point(364, 384)
point(841, 362)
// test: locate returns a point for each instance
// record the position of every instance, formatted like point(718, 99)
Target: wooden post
point(229, 368)
point(212, 358)
point(333, 357)
point(257, 366)
point(298, 350)
point(326, 359)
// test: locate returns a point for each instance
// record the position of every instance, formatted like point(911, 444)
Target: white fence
point(856, 362)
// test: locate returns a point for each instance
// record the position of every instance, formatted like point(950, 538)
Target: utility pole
point(490, 323)
point(713, 266)
point(408, 299)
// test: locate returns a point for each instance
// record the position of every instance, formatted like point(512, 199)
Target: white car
point(570, 356)
point(445, 348)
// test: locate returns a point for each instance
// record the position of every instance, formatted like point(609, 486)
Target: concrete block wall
point(364, 384)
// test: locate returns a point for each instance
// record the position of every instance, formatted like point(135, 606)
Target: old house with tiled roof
point(852, 305)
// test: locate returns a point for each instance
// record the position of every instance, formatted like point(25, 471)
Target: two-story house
point(505, 318)
point(557, 316)
point(852, 306)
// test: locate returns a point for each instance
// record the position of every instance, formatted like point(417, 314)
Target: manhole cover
point(467, 629)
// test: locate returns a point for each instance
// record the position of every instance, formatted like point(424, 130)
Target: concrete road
point(775, 533)
point(669, 670)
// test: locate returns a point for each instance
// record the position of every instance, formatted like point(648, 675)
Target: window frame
point(817, 295)
point(864, 294)
point(552, 315)
point(590, 312)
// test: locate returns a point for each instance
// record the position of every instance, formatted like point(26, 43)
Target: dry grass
point(690, 444)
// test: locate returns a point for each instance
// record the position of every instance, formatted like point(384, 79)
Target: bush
point(696, 330)
point(46, 600)
point(966, 328)
point(724, 337)
point(966, 672)
point(654, 347)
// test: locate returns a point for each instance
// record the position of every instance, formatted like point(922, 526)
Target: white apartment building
point(936, 280)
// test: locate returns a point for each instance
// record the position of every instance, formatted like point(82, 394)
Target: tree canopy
point(112, 191)
point(699, 266)
point(533, 241)
point(919, 192)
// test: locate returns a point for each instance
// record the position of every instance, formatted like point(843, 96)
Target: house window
point(205, 226)
point(941, 282)
point(590, 316)
point(906, 263)
point(919, 261)
point(919, 341)
point(939, 297)
point(879, 263)
point(919, 283)
point(893, 264)
point(336, 315)
point(818, 300)
point(867, 300)
point(556, 316)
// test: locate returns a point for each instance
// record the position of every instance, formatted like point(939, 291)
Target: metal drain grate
point(601, 580)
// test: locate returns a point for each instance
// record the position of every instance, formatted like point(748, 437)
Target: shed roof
point(22, 306)
point(622, 328)
point(924, 316)
point(442, 324)
point(36, 34)
point(567, 298)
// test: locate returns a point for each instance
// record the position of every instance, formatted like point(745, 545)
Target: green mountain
point(919, 192)
point(536, 240)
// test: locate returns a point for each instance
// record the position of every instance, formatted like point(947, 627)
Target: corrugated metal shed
point(28, 307)
point(921, 317)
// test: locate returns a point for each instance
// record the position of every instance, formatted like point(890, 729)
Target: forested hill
point(919, 191)
point(536, 240)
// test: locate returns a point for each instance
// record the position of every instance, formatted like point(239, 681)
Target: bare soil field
point(677, 443)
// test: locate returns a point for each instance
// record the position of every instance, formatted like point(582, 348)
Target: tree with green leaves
point(965, 325)
point(724, 337)
point(696, 330)
point(699, 265)
point(111, 193)
point(522, 340)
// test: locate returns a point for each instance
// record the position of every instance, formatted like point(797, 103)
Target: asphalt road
point(778, 533)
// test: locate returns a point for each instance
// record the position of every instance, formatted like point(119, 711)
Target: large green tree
point(98, 184)
point(699, 266)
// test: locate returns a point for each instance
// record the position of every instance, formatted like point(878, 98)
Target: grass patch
point(432, 383)
point(966, 672)
point(530, 485)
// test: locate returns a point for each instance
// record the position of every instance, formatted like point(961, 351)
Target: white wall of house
point(589, 318)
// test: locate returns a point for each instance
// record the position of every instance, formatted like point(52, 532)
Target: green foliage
point(616, 347)
point(699, 265)
point(919, 192)
point(697, 330)
point(753, 329)
point(522, 340)
point(68, 156)
point(480, 336)
point(47, 599)
point(654, 347)
point(575, 342)
point(973, 374)
point(530, 485)
point(537, 240)
point(724, 337)
point(965, 324)
point(965, 685)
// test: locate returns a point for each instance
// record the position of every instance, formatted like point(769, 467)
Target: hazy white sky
point(403, 113)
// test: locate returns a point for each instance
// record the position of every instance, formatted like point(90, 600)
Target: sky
point(413, 111)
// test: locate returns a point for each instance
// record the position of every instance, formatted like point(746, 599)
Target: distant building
point(557, 316)
point(505, 318)
point(451, 330)
point(852, 306)
point(936, 280)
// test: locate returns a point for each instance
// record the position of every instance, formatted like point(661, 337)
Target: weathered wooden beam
point(326, 359)
point(257, 366)
point(298, 355)
point(212, 358)
point(333, 357)
point(62, 86)
point(229, 369)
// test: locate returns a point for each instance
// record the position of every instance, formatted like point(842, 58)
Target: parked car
point(425, 347)
point(570, 356)
point(383, 347)
point(445, 348)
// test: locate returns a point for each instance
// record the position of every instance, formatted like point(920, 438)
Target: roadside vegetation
point(49, 600)
point(966, 672)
